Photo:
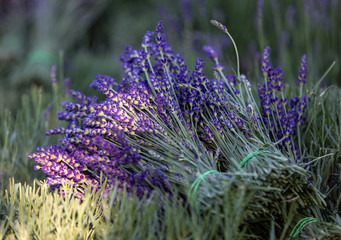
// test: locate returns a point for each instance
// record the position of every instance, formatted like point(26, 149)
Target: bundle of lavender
point(164, 129)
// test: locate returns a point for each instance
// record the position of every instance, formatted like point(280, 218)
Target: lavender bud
point(54, 74)
point(302, 76)
point(219, 25)
point(211, 53)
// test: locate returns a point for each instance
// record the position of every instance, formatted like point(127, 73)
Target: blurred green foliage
point(22, 132)
point(90, 35)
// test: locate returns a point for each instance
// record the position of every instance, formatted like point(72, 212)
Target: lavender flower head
point(219, 25)
point(282, 116)
point(266, 66)
point(54, 74)
point(302, 76)
point(260, 9)
point(211, 53)
point(186, 9)
point(147, 39)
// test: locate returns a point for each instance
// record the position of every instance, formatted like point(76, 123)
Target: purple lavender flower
point(290, 15)
point(211, 53)
point(2, 176)
point(47, 112)
point(187, 9)
point(159, 34)
point(282, 116)
point(54, 74)
point(302, 76)
point(147, 39)
point(218, 67)
point(246, 82)
point(66, 85)
point(219, 25)
point(260, 8)
point(266, 66)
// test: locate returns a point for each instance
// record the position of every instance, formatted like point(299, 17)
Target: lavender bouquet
point(164, 129)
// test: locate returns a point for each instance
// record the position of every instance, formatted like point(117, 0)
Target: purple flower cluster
point(281, 115)
point(161, 113)
point(117, 138)
point(95, 143)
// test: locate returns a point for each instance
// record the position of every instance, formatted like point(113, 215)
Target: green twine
point(192, 193)
point(248, 157)
point(300, 225)
point(195, 186)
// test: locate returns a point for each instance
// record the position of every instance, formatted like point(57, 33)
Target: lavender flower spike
point(147, 39)
point(159, 28)
point(266, 65)
point(219, 25)
point(302, 76)
point(211, 53)
point(54, 74)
